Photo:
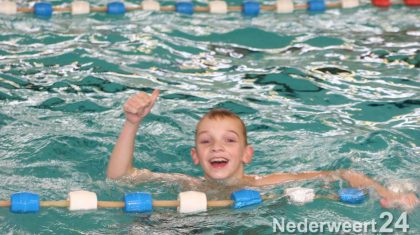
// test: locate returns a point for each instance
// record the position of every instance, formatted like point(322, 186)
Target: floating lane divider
point(248, 8)
point(188, 202)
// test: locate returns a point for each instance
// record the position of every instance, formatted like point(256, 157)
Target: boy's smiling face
point(221, 148)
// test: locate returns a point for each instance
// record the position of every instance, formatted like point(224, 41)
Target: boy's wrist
point(383, 191)
point(132, 124)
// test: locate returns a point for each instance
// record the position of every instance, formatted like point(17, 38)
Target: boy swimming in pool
point(221, 149)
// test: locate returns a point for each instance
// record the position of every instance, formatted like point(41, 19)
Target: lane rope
point(187, 202)
point(249, 8)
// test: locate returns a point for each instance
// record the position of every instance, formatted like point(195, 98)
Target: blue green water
point(317, 92)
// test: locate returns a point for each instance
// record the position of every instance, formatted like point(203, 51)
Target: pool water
point(316, 91)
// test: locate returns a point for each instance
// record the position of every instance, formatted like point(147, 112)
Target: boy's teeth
point(218, 160)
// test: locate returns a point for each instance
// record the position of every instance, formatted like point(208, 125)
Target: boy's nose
point(217, 146)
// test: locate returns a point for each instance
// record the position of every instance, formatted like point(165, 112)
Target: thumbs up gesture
point(139, 105)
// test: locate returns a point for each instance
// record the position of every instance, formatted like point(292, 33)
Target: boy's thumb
point(155, 94)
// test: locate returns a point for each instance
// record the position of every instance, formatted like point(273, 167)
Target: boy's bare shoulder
point(139, 174)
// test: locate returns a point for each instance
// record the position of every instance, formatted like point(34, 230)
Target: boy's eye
point(204, 141)
point(231, 140)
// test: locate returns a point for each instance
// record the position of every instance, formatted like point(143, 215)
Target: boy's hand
point(139, 105)
point(389, 199)
point(406, 201)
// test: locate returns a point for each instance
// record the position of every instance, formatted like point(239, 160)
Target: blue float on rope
point(316, 5)
point(245, 197)
point(351, 195)
point(24, 202)
point(138, 202)
point(184, 7)
point(43, 9)
point(250, 8)
point(115, 8)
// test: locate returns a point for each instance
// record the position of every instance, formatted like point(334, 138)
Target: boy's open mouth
point(218, 162)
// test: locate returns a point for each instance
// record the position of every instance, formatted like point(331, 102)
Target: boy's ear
point(194, 156)
point(249, 153)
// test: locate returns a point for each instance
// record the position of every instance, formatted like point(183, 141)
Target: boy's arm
point(280, 178)
point(355, 179)
point(120, 162)
point(135, 109)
